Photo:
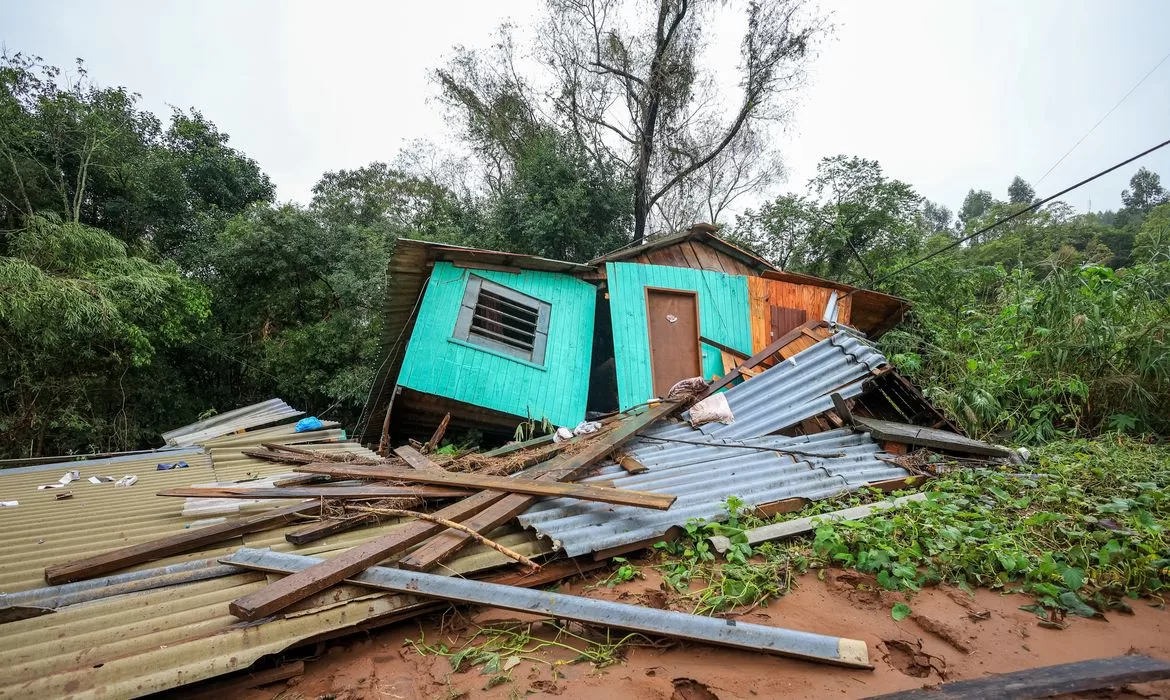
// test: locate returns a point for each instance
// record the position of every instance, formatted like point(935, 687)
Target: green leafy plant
point(497, 650)
point(1084, 532)
point(900, 612)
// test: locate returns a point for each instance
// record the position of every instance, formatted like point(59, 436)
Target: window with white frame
point(503, 320)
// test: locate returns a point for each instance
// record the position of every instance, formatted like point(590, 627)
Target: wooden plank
point(292, 589)
point(785, 505)
point(447, 544)
point(329, 526)
point(185, 541)
point(274, 456)
point(301, 585)
point(756, 359)
point(929, 437)
point(340, 493)
point(514, 446)
point(708, 258)
point(1046, 681)
point(531, 487)
point(842, 408)
point(433, 443)
point(384, 439)
point(631, 465)
point(300, 480)
point(720, 346)
point(471, 265)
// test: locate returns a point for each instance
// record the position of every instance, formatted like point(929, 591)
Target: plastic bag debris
point(562, 434)
point(587, 426)
point(167, 467)
point(9, 504)
point(101, 479)
point(310, 423)
point(128, 480)
point(711, 409)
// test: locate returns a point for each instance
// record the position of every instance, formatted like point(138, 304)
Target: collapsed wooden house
point(496, 338)
point(146, 594)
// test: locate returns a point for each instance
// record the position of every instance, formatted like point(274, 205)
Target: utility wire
point(1017, 214)
point(1111, 111)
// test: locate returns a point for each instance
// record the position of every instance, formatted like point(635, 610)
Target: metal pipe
point(739, 635)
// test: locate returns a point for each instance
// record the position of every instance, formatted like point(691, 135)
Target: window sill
point(497, 353)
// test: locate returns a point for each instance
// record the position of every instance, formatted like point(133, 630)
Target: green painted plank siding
point(436, 364)
point(724, 316)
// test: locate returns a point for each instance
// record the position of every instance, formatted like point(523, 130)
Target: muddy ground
point(951, 635)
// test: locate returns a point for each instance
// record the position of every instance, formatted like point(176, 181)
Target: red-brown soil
point(951, 635)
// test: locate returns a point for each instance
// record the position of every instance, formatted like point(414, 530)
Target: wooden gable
point(695, 254)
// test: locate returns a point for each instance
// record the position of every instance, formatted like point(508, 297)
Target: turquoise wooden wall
point(724, 316)
point(435, 363)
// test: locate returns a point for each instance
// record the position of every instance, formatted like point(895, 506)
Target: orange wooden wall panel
point(764, 294)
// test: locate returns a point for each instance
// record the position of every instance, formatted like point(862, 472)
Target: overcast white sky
point(946, 95)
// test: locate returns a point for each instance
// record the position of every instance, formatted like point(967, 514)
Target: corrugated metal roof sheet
point(102, 644)
point(270, 411)
point(703, 482)
point(737, 459)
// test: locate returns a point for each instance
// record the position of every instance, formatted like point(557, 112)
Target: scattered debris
point(812, 412)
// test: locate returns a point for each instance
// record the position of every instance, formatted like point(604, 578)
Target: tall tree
point(975, 205)
point(1145, 192)
point(853, 222)
point(633, 89)
point(936, 218)
point(635, 84)
point(81, 324)
point(560, 204)
point(1020, 192)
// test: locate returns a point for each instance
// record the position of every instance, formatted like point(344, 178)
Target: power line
point(1017, 214)
point(1111, 111)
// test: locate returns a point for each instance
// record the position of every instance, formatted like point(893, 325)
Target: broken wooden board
point(666, 623)
point(447, 544)
point(291, 589)
point(928, 437)
point(1045, 681)
point(631, 465)
point(185, 541)
point(625, 497)
point(341, 493)
point(437, 437)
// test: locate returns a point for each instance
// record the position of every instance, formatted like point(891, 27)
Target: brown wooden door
point(785, 319)
point(673, 317)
